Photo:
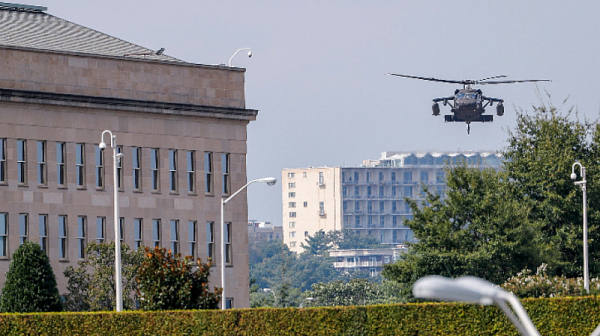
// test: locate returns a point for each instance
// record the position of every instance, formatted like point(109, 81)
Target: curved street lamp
point(475, 290)
point(116, 158)
point(269, 181)
point(237, 51)
point(582, 184)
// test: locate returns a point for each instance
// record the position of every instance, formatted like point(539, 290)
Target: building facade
point(366, 260)
point(181, 129)
point(311, 202)
point(263, 232)
point(369, 199)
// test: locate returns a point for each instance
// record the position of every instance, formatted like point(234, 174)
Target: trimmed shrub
point(553, 317)
point(30, 282)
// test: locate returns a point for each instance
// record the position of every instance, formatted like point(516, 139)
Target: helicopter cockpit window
point(467, 96)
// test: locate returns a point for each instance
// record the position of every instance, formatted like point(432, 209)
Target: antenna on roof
point(20, 7)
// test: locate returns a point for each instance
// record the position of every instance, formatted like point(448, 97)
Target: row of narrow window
point(99, 166)
point(398, 236)
point(407, 177)
point(138, 229)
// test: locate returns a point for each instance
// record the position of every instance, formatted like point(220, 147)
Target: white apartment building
point(312, 202)
point(369, 198)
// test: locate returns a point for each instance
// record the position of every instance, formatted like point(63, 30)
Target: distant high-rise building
point(370, 198)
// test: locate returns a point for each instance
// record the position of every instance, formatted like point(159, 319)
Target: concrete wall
point(120, 77)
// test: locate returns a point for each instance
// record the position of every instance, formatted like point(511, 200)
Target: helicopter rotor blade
point(493, 77)
point(514, 81)
point(431, 79)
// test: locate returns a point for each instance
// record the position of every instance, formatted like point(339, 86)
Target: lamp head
point(465, 289)
point(249, 53)
point(268, 180)
point(102, 145)
point(573, 176)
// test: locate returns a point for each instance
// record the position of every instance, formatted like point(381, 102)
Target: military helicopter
point(469, 104)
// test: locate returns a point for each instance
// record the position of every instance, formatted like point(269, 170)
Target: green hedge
point(563, 316)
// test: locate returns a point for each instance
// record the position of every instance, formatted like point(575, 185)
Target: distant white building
point(370, 198)
point(371, 260)
point(263, 231)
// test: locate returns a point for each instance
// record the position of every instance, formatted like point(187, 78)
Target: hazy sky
point(317, 74)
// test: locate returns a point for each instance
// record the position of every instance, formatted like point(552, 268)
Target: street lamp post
point(475, 290)
point(582, 184)
point(118, 278)
point(269, 181)
point(237, 51)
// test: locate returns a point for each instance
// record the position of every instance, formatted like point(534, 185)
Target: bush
point(30, 282)
point(528, 285)
point(166, 282)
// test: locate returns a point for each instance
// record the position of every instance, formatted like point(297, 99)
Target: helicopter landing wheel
point(468, 128)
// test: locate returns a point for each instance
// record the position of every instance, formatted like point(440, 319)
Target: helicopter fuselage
point(468, 105)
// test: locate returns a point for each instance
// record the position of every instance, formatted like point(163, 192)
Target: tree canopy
point(168, 281)
point(478, 229)
point(353, 292)
point(91, 285)
point(286, 275)
point(539, 157)
point(493, 224)
point(321, 242)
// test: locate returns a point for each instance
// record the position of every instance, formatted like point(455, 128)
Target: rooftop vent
point(20, 7)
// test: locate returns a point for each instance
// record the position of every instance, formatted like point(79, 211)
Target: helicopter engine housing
point(500, 109)
point(436, 109)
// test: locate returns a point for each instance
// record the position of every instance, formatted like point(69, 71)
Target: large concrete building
point(368, 199)
point(181, 128)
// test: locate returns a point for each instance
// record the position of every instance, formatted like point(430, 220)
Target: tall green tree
point(536, 184)
point(310, 269)
point(540, 153)
point(91, 285)
point(259, 250)
point(268, 271)
point(30, 282)
point(318, 244)
point(479, 229)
